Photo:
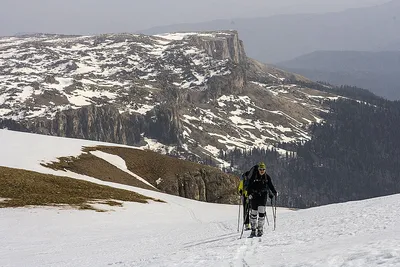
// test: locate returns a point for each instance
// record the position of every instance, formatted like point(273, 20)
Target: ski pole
point(245, 218)
point(240, 204)
point(266, 216)
point(274, 212)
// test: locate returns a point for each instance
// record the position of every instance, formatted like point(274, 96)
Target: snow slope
point(185, 232)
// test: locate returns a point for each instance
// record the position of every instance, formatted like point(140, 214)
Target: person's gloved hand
point(250, 196)
point(272, 195)
point(240, 192)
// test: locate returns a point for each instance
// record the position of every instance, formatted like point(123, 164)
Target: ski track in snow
point(184, 232)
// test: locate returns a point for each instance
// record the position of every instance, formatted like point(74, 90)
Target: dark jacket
point(259, 185)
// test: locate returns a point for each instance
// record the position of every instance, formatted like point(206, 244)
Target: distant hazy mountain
point(376, 71)
point(284, 37)
point(389, 47)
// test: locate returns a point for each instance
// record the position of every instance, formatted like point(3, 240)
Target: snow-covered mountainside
point(84, 70)
point(193, 92)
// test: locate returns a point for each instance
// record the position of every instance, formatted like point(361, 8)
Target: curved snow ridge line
point(118, 162)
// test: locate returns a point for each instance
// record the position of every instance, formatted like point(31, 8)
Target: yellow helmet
point(261, 165)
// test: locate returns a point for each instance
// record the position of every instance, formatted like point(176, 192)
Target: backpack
point(248, 175)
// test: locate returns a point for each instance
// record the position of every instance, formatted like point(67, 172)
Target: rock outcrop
point(106, 124)
point(204, 185)
point(224, 45)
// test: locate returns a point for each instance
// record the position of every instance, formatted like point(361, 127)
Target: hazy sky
point(111, 16)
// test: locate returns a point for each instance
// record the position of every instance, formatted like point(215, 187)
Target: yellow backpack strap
point(240, 187)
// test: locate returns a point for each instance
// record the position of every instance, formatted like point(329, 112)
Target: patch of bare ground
point(152, 165)
point(90, 165)
point(168, 174)
point(20, 188)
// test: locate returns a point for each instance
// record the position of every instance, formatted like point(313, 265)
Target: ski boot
point(253, 233)
point(260, 232)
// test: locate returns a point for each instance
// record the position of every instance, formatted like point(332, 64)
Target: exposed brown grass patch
point(22, 188)
point(90, 165)
point(168, 174)
point(176, 176)
point(149, 164)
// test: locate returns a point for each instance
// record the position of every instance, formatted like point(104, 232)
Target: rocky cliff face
point(204, 185)
point(106, 124)
point(91, 122)
point(222, 46)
